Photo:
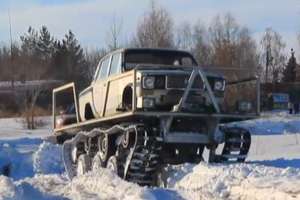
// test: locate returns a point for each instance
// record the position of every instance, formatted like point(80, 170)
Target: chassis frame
point(166, 118)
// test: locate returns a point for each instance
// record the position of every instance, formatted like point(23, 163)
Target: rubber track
point(142, 159)
point(237, 144)
point(145, 159)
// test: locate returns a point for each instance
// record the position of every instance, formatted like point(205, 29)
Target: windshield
point(157, 57)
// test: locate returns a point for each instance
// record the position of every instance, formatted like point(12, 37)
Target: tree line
point(222, 43)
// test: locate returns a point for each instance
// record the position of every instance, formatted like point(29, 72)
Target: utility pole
point(267, 62)
point(269, 59)
point(11, 52)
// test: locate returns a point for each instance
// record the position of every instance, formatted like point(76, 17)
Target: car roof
point(150, 49)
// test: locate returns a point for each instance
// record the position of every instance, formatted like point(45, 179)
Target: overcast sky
point(90, 19)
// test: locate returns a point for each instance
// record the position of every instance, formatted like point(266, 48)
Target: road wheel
point(161, 178)
point(83, 164)
point(97, 163)
point(112, 164)
point(105, 148)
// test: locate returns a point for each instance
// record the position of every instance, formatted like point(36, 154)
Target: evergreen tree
point(30, 62)
point(45, 44)
point(29, 42)
point(70, 60)
point(289, 73)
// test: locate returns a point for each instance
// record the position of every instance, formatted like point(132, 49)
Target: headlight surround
point(219, 85)
point(148, 82)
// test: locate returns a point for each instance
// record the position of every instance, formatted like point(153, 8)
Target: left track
point(132, 150)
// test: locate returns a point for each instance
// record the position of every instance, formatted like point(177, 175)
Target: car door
point(99, 87)
point(113, 86)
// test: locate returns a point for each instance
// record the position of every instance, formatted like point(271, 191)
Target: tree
point(8, 62)
point(223, 33)
point(184, 37)
point(72, 61)
point(113, 35)
point(233, 46)
point(195, 39)
point(202, 48)
point(92, 58)
point(155, 29)
point(33, 65)
point(272, 57)
point(289, 73)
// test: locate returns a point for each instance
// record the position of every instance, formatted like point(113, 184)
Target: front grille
point(181, 82)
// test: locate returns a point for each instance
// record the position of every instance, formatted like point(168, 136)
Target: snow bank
point(105, 185)
point(8, 189)
point(36, 169)
point(239, 181)
point(25, 157)
point(48, 159)
point(19, 164)
point(275, 124)
point(101, 185)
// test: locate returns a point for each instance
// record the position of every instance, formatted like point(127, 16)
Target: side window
point(104, 68)
point(115, 64)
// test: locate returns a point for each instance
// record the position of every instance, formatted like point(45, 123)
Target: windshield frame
point(157, 52)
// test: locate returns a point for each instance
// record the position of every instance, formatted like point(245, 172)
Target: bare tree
point(114, 34)
point(155, 29)
point(196, 40)
point(272, 57)
point(224, 36)
point(33, 68)
point(246, 52)
point(184, 37)
point(32, 87)
point(202, 48)
point(93, 57)
point(232, 45)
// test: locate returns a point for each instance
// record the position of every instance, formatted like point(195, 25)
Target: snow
point(47, 159)
point(237, 181)
point(12, 128)
point(272, 170)
point(104, 185)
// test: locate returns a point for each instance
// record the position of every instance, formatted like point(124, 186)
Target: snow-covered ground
point(272, 170)
point(12, 128)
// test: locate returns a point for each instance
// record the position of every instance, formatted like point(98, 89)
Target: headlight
point(148, 82)
point(219, 85)
point(148, 102)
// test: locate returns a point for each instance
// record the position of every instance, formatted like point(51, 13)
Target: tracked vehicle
point(144, 109)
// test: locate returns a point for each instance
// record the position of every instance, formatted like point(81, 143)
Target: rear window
point(173, 58)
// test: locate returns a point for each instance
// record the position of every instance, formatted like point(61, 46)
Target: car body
point(158, 78)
